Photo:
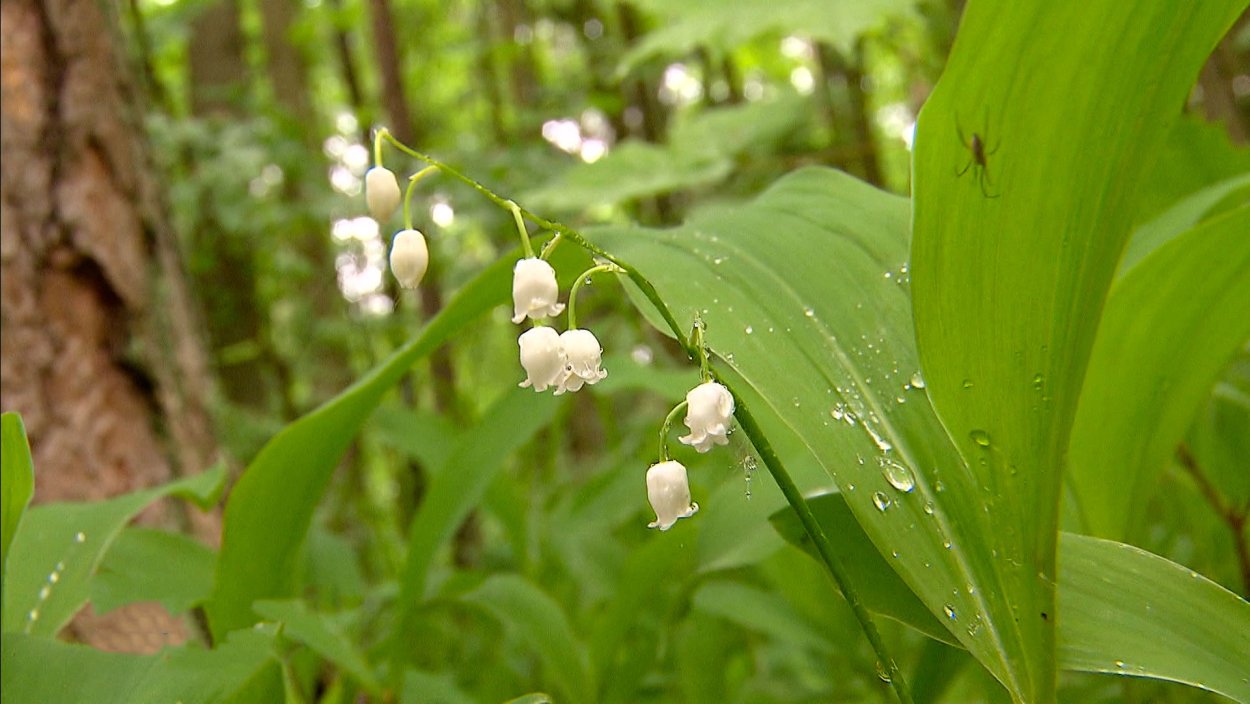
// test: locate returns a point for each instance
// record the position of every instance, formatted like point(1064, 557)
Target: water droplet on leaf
point(880, 500)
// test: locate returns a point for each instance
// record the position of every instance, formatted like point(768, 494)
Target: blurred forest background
point(187, 267)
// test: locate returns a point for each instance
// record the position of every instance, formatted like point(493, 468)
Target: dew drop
point(980, 437)
point(749, 330)
point(882, 673)
point(949, 611)
point(917, 381)
point(838, 412)
point(1120, 664)
point(928, 507)
point(899, 476)
point(80, 537)
point(809, 312)
point(967, 383)
point(33, 615)
point(880, 500)
point(1038, 381)
point(45, 592)
point(939, 487)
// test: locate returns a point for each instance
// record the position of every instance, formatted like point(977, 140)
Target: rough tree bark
point(100, 347)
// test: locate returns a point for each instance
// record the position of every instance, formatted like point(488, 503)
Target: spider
point(979, 159)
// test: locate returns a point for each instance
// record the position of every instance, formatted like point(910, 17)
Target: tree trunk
point(101, 352)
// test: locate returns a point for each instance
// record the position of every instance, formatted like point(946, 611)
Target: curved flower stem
point(577, 285)
point(745, 420)
point(412, 182)
point(817, 534)
point(520, 226)
point(668, 423)
point(377, 145)
point(550, 246)
point(696, 340)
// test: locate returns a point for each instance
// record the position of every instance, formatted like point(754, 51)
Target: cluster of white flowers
point(569, 360)
point(410, 257)
point(709, 410)
point(566, 361)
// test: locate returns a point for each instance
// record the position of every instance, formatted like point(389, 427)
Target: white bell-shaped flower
point(709, 408)
point(542, 357)
point(409, 257)
point(668, 490)
point(582, 358)
point(382, 193)
point(534, 290)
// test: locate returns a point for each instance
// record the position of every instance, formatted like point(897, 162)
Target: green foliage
point(1122, 610)
point(18, 483)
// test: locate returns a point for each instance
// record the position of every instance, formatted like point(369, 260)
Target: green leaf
point(271, 506)
point(58, 548)
point(688, 25)
point(153, 565)
point(533, 698)
point(38, 670)
point(322, 635)
point(1220, 437)
point(804, 293)
point(1121, 610)
point(427, 688)
point(17, 484)
point(1011, 263)
point(528, 612)
point(1140, 396)
point(1125, 611)
point(1180, 218)
point(757, 610)
point(630, 170)
point(479, 454)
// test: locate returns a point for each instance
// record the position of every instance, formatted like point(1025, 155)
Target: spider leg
point(985, 179)
point(959, 128)
point(964, 170)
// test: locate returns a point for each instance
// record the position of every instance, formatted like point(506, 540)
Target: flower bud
point(582, 357)
point(409, 257)
point(382, 193)
point(668, 490)
point(534, 290)
point(709, 407)
point(542, 358)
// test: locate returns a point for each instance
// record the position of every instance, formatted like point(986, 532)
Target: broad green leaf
point(1011, 262)
point(538, 620)
point(1121, 610)
point(804, 293)
point(1180, 218)
point(1140, 395)
point(630, 170)
point(153, 565)
point(1125, 611)
point(479, 454)
point(324, 637)
point(428, 688)
point(1220, 437)
point(1196, 154)
point(688, 25)
point(757, 610)
point(271, 506)
point(241, 671)
point(17, 484)
point(58, 548)
point(881, 589)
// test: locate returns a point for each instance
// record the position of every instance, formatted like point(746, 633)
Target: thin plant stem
point(790, 490)
point(668, 423)
point(745, 420)
point(550, 246)
point(520, 226)
point(1235, 518)
point(412, 182)
point(577, 286)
